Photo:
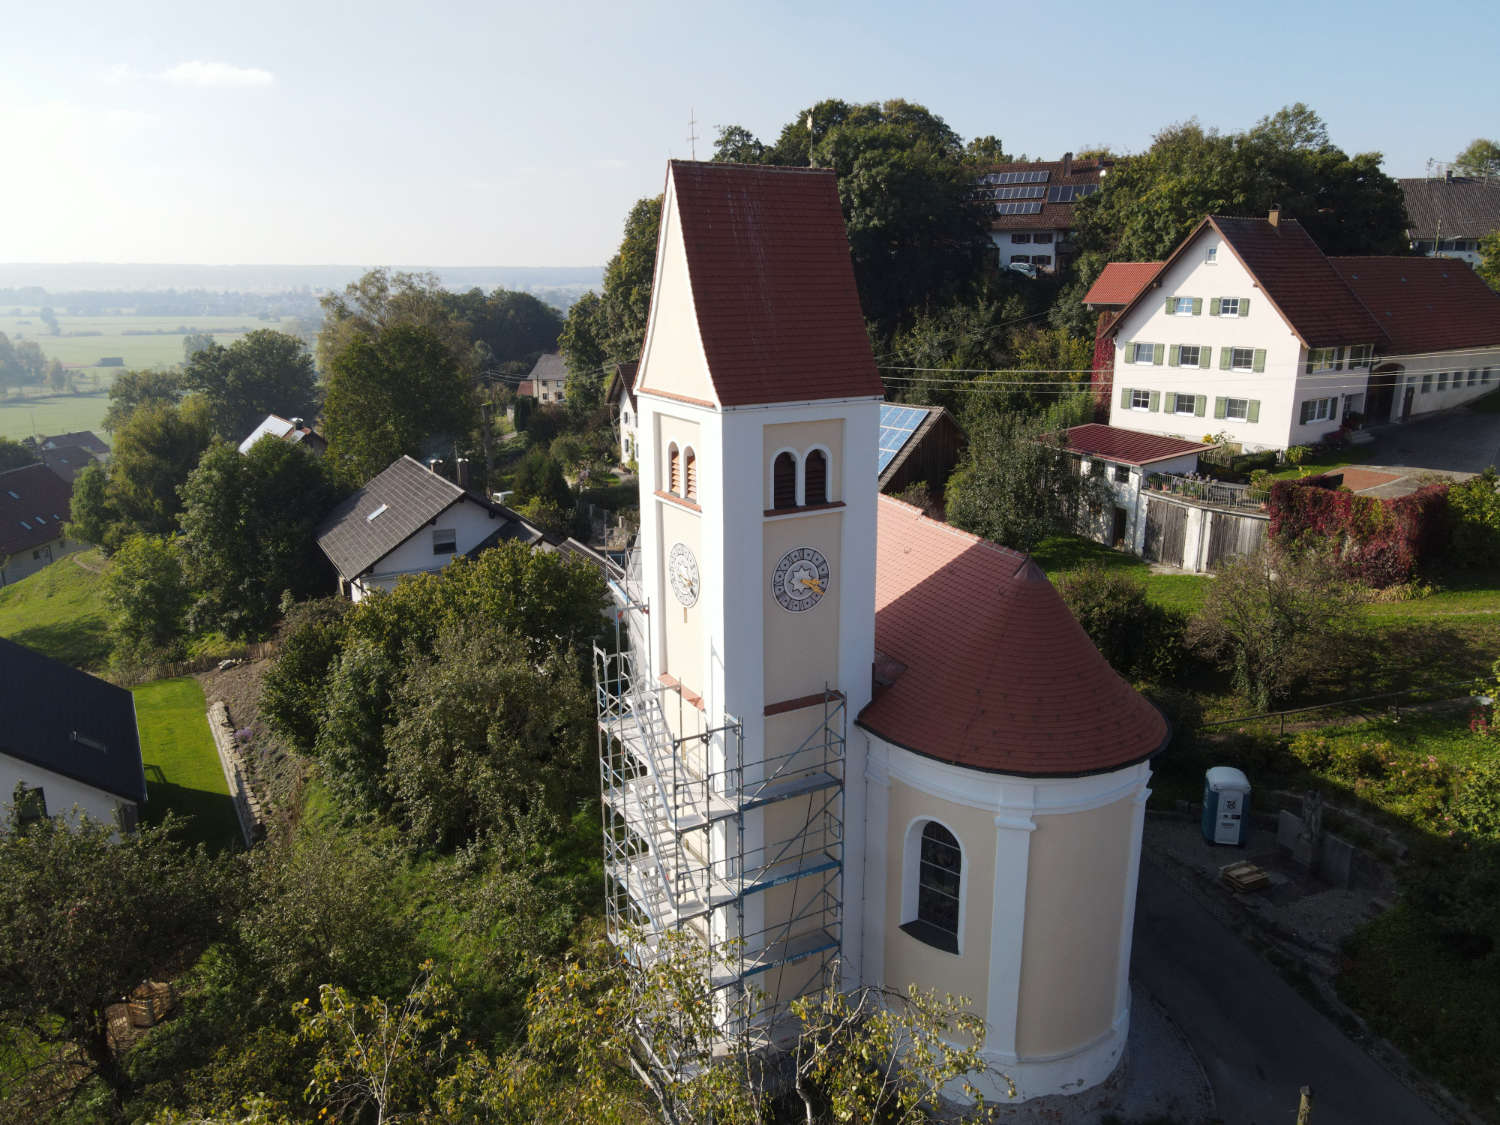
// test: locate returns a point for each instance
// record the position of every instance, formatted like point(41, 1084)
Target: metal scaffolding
point(709, 837)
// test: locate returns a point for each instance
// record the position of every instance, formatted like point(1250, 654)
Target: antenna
point(692, 137)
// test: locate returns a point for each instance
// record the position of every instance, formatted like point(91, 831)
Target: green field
point(183, 774)
point(53, 414)
point(60, 612)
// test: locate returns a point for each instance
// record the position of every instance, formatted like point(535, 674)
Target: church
point(839, 737)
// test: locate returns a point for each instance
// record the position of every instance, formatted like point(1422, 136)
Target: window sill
point(678, 500)
point(928, 934)
point(804, 509)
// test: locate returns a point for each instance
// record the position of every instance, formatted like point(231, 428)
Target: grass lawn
point(182, 767)
point(1062, 554)
point(59, 611)
point(1326, 461)
point(53, 414)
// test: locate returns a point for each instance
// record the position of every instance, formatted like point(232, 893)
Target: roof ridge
point(728, 165)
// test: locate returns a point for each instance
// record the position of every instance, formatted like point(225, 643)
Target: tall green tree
point(146, 589)
point(1489, 259)
point(154, 452)
point(248, 523)
point(263, 372)
point(131, 389)
point(391, 393)
point(14, 455)
point(86, 916)
point(383, 299)
point(1481, 159)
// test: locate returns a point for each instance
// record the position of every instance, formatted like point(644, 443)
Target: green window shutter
point(1244, 306)
point(1224, 355)
point(1158, 353)
point(1172, 355)
point(1254, 413)
point(1124, 398)
point(1260, 360)
point(1205, 357)
point(1220, 407)
point(1213, 306)
point(1197, 306)
point(1171, 305)
point(1124, 351)
point(1171, 404)
point(1201, 407)
point(1155, 401)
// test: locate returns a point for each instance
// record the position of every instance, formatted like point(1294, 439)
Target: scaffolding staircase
point(681, 796)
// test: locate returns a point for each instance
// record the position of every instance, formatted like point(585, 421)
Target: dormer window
point(784, 481)
point(815, 478)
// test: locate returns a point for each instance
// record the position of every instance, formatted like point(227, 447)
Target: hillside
point(59, 611)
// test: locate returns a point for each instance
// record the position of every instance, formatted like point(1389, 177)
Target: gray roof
point(33, 508)
point(86, 438)
point(1465, 208)
point(69, 722)
point(406, 496)
point(550, 367)
point(67, 461)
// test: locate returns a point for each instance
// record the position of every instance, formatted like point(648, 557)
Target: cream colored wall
point(909, 961)
point(801, 437)
point(673, 360)
point(801, 649)
point(670, 429)
point(1070, 956)
point(682, 626)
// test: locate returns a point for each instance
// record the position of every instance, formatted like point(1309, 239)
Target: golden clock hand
point(812, 584)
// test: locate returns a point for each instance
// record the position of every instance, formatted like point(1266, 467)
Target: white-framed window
point(1182, 306)
point(1241, 359)
point(1211, 256)
point(1190, 355)
point(1229, 306)
point(1324, 359)
point(1142, 353)
point(1185, 404)
point(1360, 355)
point(784, 481)
point(1020, 238)
point(1140, 400)
point(1319, 410)
point(1237, 409)
point(444, 541)
point(932, 895)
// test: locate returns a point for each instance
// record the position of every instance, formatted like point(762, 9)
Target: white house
point(408, 520)
point(619, 396)
point(1247, 330)
point(1031, 207)
point(293, 431)
point(1449, 214)
point(1124, 459)
point(548, 379)
point(33, 513)
point(968, 818)
point(69, 744)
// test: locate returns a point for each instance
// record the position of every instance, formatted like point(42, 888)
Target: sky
point(473, 134)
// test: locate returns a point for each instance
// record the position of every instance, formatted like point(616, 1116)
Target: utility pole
point(1304, 1107)
point(692, 137)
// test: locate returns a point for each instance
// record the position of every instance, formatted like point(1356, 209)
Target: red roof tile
point(1128, 446)
point(33, 508)
point(1121, 283)
point(1060, 173)
point(999, 676)
point(1425, 304)
point(773, 286)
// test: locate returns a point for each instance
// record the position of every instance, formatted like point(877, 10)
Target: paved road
point(1454, 442)
point(1258, 1040)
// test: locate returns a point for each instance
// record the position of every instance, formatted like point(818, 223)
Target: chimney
point(296, 423)
point(433, 463)
point(1274, 218)
point(463, 473)
point(1067, 164)
point(1448, 175)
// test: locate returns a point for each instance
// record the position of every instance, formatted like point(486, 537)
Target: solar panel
point(1062, 193)
point(1018, 208)
point(897, 424)
point(1018, 177)
point(1086, 189)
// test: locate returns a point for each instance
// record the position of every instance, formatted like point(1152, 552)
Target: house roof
point(1053, 213)
point(274, 425)
point(33, 508)
point(1293, 274)
point(69, 722)
point(86, 438)
point(1425, 304)
point(1128, 447)
point(383, 514)
point(903, 429)
point(1458, 208)
point(526, 387)
point(622, 383)
point(998, 675)
point(67, 461)
point(548, 368)
point(1120, 283)
point(772, 283)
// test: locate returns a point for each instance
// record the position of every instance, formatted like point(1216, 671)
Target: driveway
point(1459, 443)
point(1259, 1041)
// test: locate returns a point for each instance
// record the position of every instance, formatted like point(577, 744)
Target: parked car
point(1025, 269)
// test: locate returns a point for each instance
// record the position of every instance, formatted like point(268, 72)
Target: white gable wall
point(673, 361)
point(64, 796)
point(471, 523)
point(1262, 328)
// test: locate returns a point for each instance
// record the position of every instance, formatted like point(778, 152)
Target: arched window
point(674, 470)
point(938, 873)
point(690, 473)
point(815, 474)
point(784, 481)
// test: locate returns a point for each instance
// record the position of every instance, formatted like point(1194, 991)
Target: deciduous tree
point(263, 372)
point(146, 589)
point(1480, 160)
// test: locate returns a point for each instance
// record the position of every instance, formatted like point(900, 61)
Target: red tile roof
point(999, 676)
point(1425, 304)
point(1121, 283)
point(773, 286)
point(1128, 446)
point(33, 508)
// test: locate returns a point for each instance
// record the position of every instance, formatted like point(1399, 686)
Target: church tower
point(728, 721)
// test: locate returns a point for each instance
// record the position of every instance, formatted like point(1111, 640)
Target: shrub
point(1474, 512)
point(1139, 639)
point(1379, 542)
point(1475, 807)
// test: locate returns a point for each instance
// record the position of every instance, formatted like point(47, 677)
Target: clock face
point(800, 579)
point(682, 573)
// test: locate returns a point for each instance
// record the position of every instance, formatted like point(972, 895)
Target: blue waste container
point(1226, 806)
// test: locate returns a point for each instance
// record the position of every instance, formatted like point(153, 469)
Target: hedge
point(1380, 542)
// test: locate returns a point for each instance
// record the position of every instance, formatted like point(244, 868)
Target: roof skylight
point(371, 517)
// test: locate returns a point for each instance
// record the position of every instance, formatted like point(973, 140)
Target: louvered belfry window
point(674, 470)
point(815, 483)
point(784, 481)
point(690, 474)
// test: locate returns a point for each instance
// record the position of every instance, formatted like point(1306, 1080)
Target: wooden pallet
point(1244, 877)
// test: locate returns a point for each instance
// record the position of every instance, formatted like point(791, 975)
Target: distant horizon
point(271, 277)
